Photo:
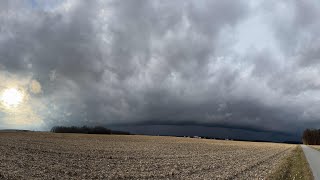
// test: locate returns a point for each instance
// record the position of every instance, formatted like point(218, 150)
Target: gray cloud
point(170, 62)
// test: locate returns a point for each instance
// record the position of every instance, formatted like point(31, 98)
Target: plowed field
point(76, 156)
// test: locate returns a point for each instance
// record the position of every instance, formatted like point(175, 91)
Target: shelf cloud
point(239, 64)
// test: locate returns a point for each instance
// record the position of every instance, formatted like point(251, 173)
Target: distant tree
point(311, 137)
point(85, 130)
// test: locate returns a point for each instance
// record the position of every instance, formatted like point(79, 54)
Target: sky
point(248, 65)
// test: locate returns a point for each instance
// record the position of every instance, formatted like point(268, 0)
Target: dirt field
point(74, 156)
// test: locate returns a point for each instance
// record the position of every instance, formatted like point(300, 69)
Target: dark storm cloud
point(170, 62)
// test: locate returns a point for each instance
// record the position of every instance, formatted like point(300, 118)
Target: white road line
point(313, 157)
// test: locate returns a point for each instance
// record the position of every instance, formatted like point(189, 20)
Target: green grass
point(295, 166)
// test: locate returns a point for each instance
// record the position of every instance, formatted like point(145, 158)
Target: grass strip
point(316, 147)
point(295, 166)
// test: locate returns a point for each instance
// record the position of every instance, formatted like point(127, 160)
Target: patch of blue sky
point(45, 5)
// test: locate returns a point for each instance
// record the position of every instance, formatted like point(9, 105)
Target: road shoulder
point(295, 166)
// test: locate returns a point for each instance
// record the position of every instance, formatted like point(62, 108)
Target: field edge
point(294, 166)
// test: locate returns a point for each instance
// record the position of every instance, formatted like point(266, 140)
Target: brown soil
point(77, 156)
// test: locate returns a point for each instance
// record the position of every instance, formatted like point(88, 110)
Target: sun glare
point(11, 97)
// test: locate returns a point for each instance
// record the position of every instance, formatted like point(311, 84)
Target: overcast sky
point(241, 64)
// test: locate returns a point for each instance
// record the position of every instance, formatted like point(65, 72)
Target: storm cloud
point(239, 64)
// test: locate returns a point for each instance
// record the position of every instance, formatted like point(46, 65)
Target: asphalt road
point(313, 157)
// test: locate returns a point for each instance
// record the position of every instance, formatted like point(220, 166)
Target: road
point(313, 157)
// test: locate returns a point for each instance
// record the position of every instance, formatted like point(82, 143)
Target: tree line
point(311, 137)
point(86, 130)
